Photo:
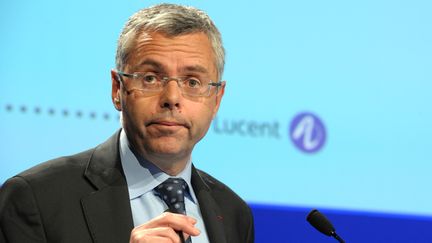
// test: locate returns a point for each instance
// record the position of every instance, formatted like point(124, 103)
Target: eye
point(149, 78)
point(193, 82)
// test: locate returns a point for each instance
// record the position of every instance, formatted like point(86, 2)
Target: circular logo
point(307, 132)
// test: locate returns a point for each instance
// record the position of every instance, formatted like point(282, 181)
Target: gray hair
point(171, 20)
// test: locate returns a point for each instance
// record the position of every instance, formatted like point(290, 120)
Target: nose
point(171, 96)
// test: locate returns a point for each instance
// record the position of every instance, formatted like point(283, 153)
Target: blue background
point(363, 67)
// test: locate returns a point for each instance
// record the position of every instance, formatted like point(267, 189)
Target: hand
point(163, 229)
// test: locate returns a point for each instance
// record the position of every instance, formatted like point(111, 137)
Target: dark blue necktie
point(172, 191)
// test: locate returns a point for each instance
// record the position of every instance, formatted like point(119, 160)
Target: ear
point(115, 90)
point(218, 97)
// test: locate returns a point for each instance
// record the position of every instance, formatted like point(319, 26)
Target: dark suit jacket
point(84, 198)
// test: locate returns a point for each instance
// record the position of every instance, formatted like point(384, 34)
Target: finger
point(157, 235)
point(191, 220)
point(178, 222)
point(186, 236)
point(155, 239)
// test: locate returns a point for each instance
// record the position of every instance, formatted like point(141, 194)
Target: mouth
point(167, 123)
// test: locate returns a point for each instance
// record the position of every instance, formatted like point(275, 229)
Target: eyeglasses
point(150, 82)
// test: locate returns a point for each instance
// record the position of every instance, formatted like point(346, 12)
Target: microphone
point(322, 224)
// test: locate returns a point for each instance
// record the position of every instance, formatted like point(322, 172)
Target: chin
point(167, 149)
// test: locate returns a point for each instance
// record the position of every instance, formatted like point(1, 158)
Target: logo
point(307, 132)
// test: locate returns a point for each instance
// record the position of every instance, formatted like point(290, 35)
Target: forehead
point(168, 52)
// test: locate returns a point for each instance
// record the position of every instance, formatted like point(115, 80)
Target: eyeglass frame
point(165, 80)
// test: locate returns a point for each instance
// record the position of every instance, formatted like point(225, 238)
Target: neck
point(168, 163)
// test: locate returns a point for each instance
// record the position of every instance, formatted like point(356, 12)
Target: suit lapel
point(107, 210)
point(210, 210)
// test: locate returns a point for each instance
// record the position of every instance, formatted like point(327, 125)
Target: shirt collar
point(142, 176)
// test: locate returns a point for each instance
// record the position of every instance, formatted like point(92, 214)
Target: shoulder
point(223, 194)
point(46, 176)
point(58, 168)
point(67, 167)
point(50, 178)
point(236, 213)
point(46, 184)
point(47, 195)
point(217, 186)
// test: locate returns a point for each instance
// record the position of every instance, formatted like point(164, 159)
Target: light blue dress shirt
point(142, 177)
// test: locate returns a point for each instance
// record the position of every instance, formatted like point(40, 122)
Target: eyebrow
point(195, 68)
point(151, 62)
point(159, 66)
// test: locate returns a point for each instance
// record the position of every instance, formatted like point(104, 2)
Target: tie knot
point(172, 193)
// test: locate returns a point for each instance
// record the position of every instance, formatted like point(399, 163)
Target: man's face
point(165, 127)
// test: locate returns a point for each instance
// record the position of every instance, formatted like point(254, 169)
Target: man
point(167, 87)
